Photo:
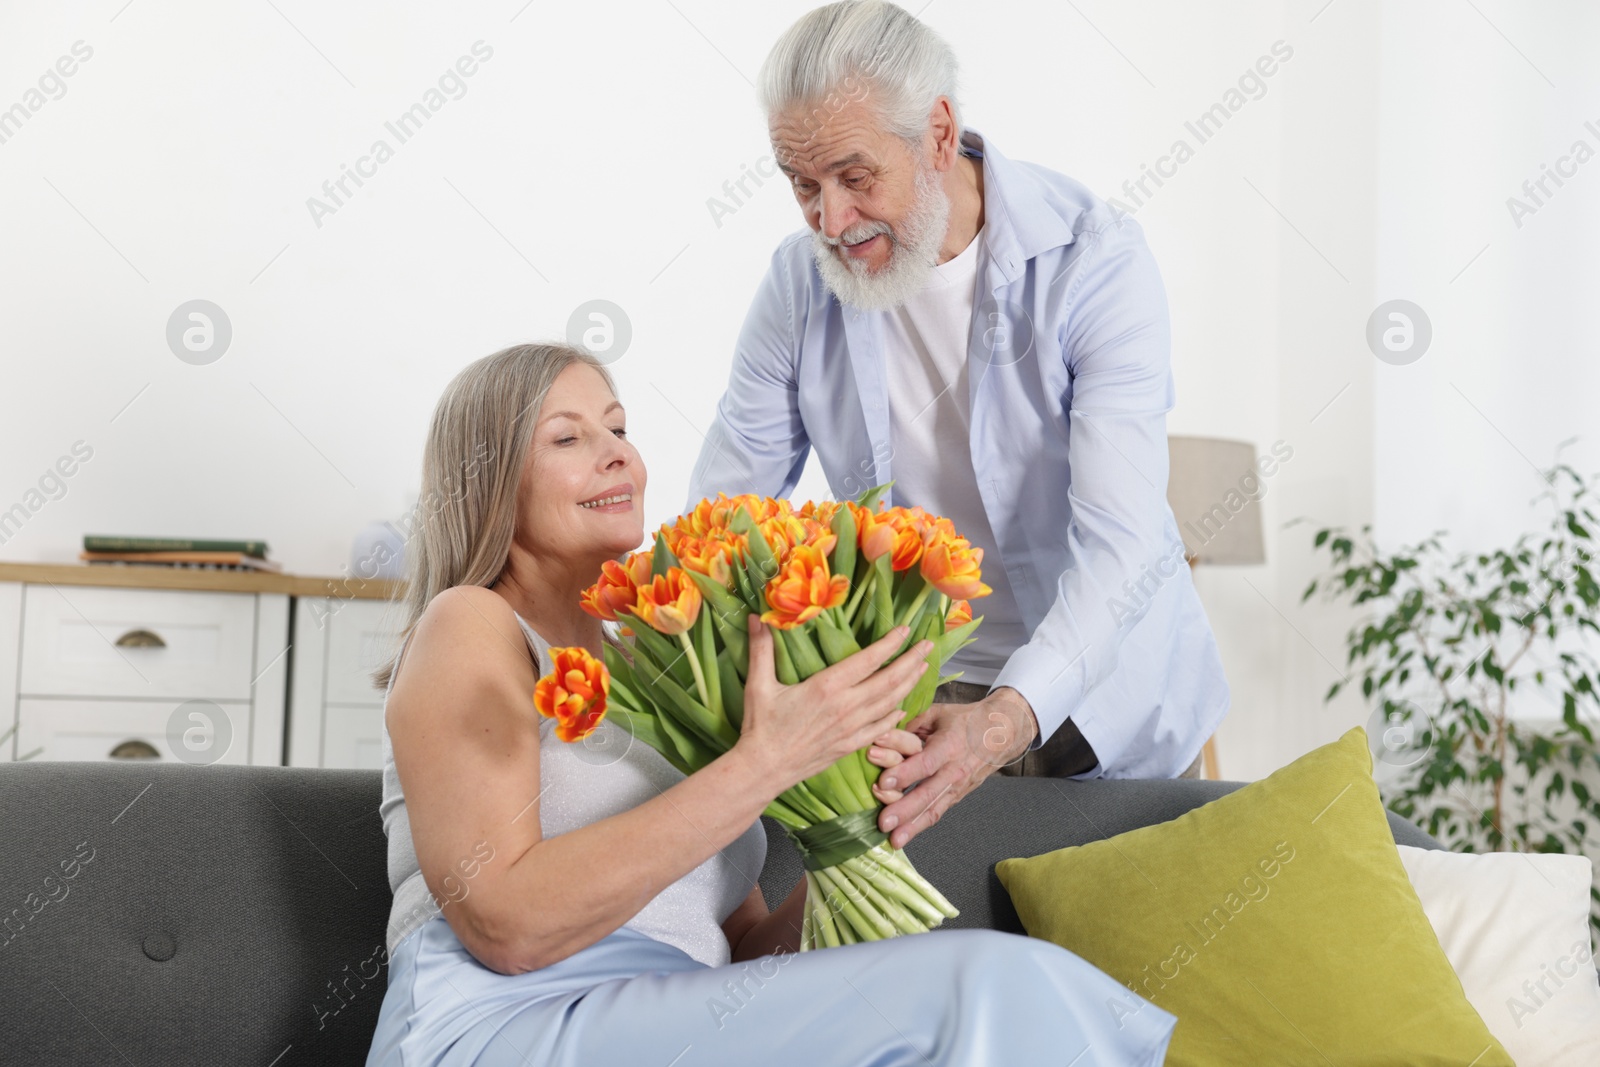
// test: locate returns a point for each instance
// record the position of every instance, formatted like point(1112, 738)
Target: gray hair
point(861, 49)
point(471, 466)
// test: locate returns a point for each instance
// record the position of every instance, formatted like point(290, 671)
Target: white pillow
point(1515, 926)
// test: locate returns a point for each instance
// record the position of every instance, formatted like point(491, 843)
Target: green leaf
point(782, 663)
point(803, 651)
point(764, 565)
point(693, 715)
point(705, 646)
point(646, 727)
point(837, 643)
point(946, 643)
point(869, 498)
point(732, 693)
point(844, 550)
point(660, 654)
point(662, 558)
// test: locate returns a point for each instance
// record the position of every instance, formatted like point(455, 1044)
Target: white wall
point(578, 165)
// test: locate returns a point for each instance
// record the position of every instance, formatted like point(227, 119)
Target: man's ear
point(946, 136)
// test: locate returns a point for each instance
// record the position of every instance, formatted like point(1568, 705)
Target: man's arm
point(757, 442)
point(1116, 346)
point(1118, 351)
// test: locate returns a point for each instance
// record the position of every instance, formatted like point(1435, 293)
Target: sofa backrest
point(1007, 817)
point(160, 913)
point(229, 914)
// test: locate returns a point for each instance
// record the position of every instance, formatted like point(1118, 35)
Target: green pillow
point(1276, 923)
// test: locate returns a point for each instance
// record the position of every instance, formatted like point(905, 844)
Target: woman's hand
point(888, 751)
point(796, 731)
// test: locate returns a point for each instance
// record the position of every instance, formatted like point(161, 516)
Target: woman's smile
point(618, 498)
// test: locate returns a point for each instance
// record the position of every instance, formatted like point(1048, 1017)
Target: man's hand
point(962, 745)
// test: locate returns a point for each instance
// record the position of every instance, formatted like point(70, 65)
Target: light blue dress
point(660, 991)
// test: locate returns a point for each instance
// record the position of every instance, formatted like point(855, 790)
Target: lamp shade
point(1215, 490)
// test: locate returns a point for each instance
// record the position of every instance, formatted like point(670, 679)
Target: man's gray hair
point(864, 50)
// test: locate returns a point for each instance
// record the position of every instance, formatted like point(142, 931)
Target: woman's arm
point(754, 931)
point(465, 737)
point(466, 744)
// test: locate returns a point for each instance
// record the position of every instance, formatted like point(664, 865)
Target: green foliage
point(1451, 646)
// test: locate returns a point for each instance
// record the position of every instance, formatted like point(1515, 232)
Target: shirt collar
point(1018, 223)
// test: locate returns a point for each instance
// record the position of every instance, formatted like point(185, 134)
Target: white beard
point(912, 253)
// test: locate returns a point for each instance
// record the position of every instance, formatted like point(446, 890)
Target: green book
point(108, 543)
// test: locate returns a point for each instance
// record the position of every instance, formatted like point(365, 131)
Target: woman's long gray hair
point(461, 531)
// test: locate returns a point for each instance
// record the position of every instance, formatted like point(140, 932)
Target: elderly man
point(993, 338)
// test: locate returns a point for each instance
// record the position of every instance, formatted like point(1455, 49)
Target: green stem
point(856, 597)
point(854, 778)
point(915, 606)
point(867, 922)
point(786, 815)
point(896, 861)
point(822, 915)
point(892, 885)
point(904, 922)
point(803, 800)
point(694, 665)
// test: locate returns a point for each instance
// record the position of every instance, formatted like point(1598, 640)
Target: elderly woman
point(588, 904)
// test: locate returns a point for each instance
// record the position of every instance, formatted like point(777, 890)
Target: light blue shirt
point(1070, 382)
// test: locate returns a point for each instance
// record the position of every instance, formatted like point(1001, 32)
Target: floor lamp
point(1214, 487)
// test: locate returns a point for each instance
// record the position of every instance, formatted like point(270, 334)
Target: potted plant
point(1480, 670)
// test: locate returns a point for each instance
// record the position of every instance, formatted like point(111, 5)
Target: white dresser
point(100, 663)
point(337, 710)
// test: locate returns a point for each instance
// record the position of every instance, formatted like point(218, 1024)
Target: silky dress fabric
point(954, 997)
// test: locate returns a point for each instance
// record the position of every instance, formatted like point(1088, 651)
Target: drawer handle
point(140, 639)
point(135, 749)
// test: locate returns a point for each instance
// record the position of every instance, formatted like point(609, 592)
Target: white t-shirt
point(925, 354)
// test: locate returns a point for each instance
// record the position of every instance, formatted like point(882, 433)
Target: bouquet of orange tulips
point(828, 578)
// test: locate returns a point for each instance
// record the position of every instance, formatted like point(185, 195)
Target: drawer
point(360, 638)
point(352, 737)
point(81, 641)
point(91, 729)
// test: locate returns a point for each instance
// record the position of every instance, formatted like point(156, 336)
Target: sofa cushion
point(1515, 926)
point(1276, 923)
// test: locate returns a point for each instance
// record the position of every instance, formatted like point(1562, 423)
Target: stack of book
point(178, 552)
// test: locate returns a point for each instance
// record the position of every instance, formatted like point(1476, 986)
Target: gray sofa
point(159, 914)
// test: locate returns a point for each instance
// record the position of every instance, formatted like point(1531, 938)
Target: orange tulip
point(712, 556)
point(934, 527)
point(670, 603)
point(618, 587)
point(960, 614)
point(803, 589)
point(951, 565)
point(574, 694)
point(823, 512)
point(761, 508)
point(894, 532)
point(712, 516)
point(787, 532)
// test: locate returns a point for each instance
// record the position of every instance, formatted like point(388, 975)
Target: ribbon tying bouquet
point(827, 578)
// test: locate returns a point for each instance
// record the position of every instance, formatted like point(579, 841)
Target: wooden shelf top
point(147, 576)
